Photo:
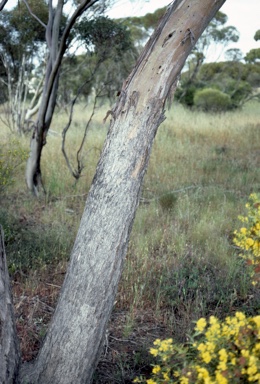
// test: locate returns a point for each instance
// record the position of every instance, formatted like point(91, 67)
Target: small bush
point(212, 100)
point(221, 352)
point(168, 201)
point(248, 237)
point(186, 95)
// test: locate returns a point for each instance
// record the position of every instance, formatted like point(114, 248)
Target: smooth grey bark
point(57, 46)
point(9, 345)
point(74, 340)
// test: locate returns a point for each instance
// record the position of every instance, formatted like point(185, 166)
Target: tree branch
point(2, 4)
point(33, 14)
point(74, 173)
point(86, 4)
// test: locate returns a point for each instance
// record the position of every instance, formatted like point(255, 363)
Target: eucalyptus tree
point(21, 39)
point(58, 37)
point(216, 34)
point(253, 56)
point(74, 340)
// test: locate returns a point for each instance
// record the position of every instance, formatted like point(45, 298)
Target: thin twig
point(75, 173)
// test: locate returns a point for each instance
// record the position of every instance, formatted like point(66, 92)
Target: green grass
point(181, 263)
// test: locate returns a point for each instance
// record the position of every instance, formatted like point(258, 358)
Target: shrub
point(168, 201)
point(10, 158)
point(248, 237)
point(221, 352)
point(185, 95)
point(238, 92)
point(212, 100)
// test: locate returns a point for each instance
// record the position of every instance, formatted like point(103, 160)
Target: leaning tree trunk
point(74, 340)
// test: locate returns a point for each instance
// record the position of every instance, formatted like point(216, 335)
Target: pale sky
point(242, 14)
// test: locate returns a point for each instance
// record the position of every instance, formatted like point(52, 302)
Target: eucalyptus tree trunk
point(74, 340)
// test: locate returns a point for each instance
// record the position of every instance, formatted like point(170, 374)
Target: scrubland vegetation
point(181, 264)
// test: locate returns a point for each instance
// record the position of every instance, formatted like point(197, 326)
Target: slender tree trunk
point(74, 341)
point(45, 113)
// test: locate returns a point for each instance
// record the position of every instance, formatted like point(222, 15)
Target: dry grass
point(181, 262)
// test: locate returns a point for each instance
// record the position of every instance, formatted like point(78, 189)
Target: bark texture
point(9, 346)
point(74, 340)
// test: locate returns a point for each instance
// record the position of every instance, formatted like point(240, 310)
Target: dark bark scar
point(167, 38)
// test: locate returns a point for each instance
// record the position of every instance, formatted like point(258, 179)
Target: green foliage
point(235, 70)
point(11, 156)
point(104, 35)
point(234, 78)
point(253, 55)
point(28, 31)
point(221, 352)
point(257, 35)
point(185, 95)
point(141, 27)
point(216, 32)
point(21, 37)
point(107, 63)
point(248, 237)
point(212, 100)
point(238, 92)
point(20, 32)
point(234, 54)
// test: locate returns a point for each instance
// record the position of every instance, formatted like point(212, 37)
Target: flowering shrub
point(221, 353)
point(248, 237)
point(10, 159)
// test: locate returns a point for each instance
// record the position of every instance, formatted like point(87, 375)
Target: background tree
point(74, 340)
point(58, 37)
point(109, 57)
point(21, 39)
point(217, 33)
point(253, 56)
point(237, 81)
point(142, 27)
